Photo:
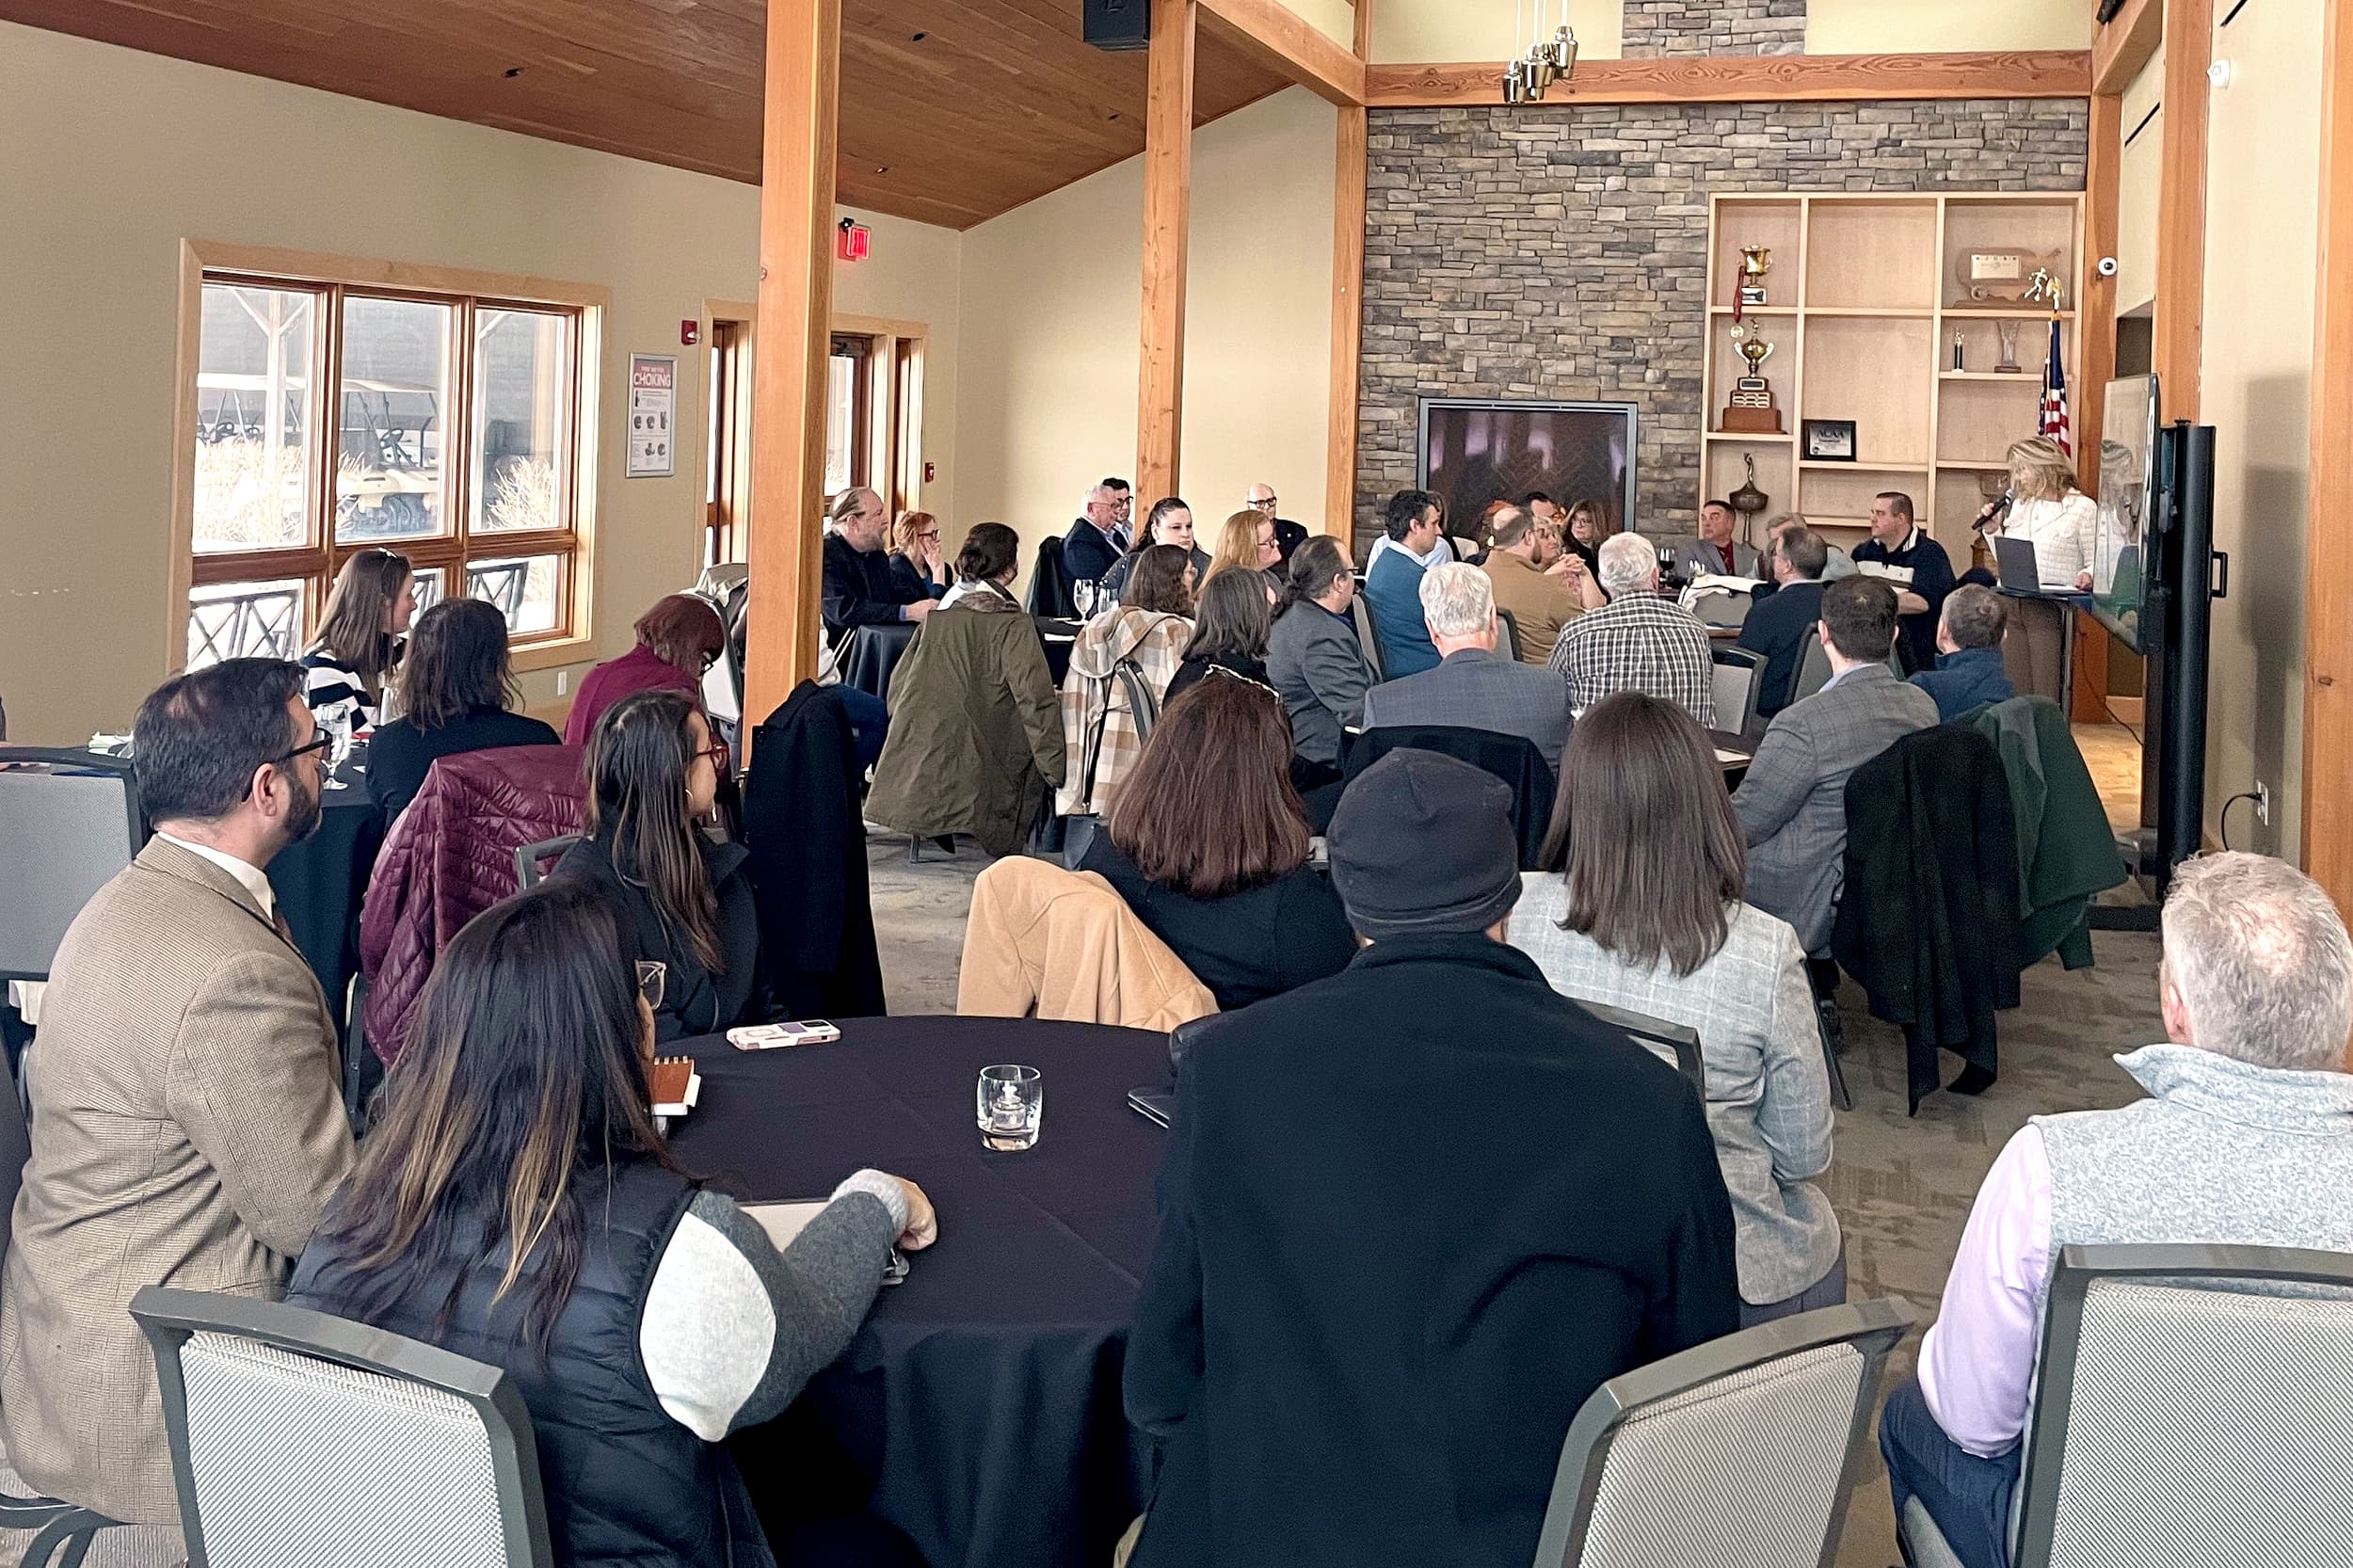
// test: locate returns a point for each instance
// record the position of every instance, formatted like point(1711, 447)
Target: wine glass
point(1082, 595)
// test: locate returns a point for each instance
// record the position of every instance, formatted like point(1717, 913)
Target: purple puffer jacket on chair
point(451, 856)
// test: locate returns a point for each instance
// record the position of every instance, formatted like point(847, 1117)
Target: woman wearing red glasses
point(653, 774)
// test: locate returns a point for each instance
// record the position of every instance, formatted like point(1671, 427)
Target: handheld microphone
point(1994, 511)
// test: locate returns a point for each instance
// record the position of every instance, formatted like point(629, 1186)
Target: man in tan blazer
point(186, 1124)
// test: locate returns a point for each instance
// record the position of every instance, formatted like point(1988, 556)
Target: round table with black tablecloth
point(981, 1399)
point(874, 651)
point(320, 882)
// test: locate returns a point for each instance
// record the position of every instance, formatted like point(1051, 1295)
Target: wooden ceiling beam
point(1750, 79)
point(2125, 43)
point(1280, 39)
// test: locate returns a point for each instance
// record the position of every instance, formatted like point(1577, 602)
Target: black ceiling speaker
point(1119, 23)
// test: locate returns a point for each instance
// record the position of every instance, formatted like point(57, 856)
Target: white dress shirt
point(254, 880)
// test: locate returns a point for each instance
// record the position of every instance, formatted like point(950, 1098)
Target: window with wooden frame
point(329, 407)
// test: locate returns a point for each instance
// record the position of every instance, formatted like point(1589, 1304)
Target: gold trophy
point(1755, 262)
point(1752, 411)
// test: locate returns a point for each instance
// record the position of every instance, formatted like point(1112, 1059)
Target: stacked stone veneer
point(1718, 26)
point(1562, 253)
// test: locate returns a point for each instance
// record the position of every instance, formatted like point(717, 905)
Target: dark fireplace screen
point(1474, 452)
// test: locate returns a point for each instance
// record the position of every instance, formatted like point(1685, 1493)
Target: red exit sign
point(852, 240)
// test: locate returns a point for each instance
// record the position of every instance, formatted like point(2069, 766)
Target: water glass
point(1012, 1103)
point(1082, 596)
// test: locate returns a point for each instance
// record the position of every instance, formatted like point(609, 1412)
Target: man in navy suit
point(1779, 624)
point(1089, 548)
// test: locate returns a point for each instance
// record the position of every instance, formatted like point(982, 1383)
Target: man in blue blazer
point(1779, 624)
point(1393, 587)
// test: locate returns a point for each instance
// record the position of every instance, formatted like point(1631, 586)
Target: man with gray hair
point(2246, 1138)
point(1472, 686)
point(1091, 546)
point(1638, 642)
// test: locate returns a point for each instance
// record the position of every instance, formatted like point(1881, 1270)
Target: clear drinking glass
point(1012, 1103)
point(1082, 595)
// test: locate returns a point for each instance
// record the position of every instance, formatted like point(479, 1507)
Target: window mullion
point(460, 440)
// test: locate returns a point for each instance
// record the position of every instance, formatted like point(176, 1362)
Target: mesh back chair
point(2189, 1408)
point(1739, 671)
point(1367, 633)
point(1739, 1454)
point(533, 861)
point(1677, 1045)
point(1813, 672)
point(61, 1527)
point(68, 822)
point(299, 1440)
point(1507, 625)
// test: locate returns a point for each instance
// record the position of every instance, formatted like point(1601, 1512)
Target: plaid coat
point(1099, 732)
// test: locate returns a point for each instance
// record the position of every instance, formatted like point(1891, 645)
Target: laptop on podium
point(2017, 570)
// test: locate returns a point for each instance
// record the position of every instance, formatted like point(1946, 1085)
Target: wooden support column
point(790, 350)
point(1348, 304)
point(2095, 312)
point(2329, 526)
point(1167, 222)
point(2181, 301)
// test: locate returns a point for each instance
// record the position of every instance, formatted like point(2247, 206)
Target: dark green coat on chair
point(2066, 849)
point(975, 727)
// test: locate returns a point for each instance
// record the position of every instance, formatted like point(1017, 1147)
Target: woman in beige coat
point(975, 741)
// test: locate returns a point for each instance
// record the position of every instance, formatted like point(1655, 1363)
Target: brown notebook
point(675, 1085)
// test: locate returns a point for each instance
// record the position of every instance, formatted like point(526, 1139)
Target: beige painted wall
point(1050, 311)
point(1932, 27)
point(1337, 18)
point(1414, 31)
point(2137, 187)
point(113, 156)
point(2263, 169)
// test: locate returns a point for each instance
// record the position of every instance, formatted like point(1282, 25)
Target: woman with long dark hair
point(517, 1204)
point(1648, 914)
point(1141, 642)
point(1230, 623)
point(653, 776)
point(344, 668)
point(1168, 523)
point(457, 693)
point(1207, 841)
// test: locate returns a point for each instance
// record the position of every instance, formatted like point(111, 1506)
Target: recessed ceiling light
point(513, 71)
point(921, 37)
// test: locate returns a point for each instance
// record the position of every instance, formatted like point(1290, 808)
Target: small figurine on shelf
point(1960, 351)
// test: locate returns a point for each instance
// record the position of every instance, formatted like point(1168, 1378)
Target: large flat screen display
point(2128, 506)
point(1474, 452)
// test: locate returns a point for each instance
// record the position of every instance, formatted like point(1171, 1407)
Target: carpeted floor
point(1902, 1184)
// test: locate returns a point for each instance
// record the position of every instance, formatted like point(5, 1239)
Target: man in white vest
point(2247, 1138)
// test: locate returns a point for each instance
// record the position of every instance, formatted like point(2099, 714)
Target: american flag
point(2054, 420)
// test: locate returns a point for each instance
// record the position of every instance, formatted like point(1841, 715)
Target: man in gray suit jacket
point(1472, 687)
point(1313, 656)
point(1716, 553)
point(186, 1124)
point(1792, 806)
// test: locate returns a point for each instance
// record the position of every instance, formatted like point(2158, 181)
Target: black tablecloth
point(319, 883)
point(874, 651)
point(981, 1399)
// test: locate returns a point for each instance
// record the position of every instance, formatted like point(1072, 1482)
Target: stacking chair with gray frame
point(299, 1440)
point(1738, 673)
point(68, 822)
point(1678, 1045)
point(1742, 1450)
point(2189, 1407)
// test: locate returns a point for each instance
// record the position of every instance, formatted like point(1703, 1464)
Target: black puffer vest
point(627, 1486)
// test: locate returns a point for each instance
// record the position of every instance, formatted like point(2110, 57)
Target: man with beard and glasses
point(186, 1121)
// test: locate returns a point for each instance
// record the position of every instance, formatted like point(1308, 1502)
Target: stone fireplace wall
point(1561, 252)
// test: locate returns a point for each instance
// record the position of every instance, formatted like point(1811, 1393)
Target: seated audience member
point(915, 559)
point(976, 738)
point(1411, 1216)
point(455, 686)
point(1230, 623)
point(1648, 916)
point(1969, 672)
point(1392, 582)
point(1317, 663)
point(1901, 553)
point(678, 640)
point(516, 1204)
point(2246, 1140)
point(347, 665)
point(1147, 635)
point(1168, 523)
point(1247, 542)
point(1581, 530)
point(1792, 806)
point(860, 588)
point(1779, 625)
point(1440, 548)
point(1472, 686)
point(1208, 843)
point(1638, 642)
point(653, 774)
point(1522, 567)
point(1089, 549)
point(1288, 536)
point(1837, 563)
point(186, 1113)
point(1716, 553)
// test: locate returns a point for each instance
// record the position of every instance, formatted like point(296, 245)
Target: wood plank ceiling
point(953, 111)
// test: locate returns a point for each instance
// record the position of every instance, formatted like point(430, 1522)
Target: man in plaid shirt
point(1638, 641)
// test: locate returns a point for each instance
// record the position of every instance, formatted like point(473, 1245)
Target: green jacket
point(975, 727)
point(2066, 849)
